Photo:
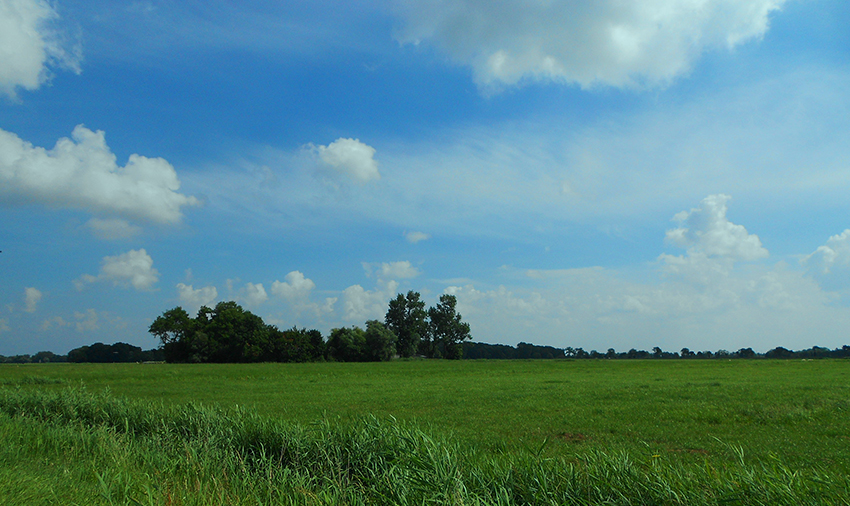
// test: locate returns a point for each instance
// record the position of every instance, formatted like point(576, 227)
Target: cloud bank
point(81, 173)
point(587, 42)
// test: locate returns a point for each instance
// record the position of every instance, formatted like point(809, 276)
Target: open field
point(693, 414)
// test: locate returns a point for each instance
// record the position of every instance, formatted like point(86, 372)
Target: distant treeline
point(349, 344)
point(229, 333)
point(97, 352)
point(526, 350)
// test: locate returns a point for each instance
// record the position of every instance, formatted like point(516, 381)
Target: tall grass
point(75, 447)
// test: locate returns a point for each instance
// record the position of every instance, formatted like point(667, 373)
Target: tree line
point(525, 351)
point(230, 333)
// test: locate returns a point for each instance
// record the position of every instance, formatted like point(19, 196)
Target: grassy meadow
point(672, 432)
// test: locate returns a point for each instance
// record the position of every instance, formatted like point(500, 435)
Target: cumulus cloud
point(133, 268)
point(830, 263)
point(32, 296)
point(349, 157)
point(392, 270)
point(707, 230)
point(195, 298)
point(255, 294)
point(360, 305)
point(113, 228)
point(415, 237)
point(28, 45)
point(587, 42)
point(296, 287)
point(81, 173)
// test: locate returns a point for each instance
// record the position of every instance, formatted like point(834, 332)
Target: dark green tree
point(380, 342)
point(406, 318)
point(347, 344)
point(448, 331)
point(297, 345)
point(174, 329)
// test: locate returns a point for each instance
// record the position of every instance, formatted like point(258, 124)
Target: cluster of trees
point(525, 350)
point(438, 332)
point(113, 353)
point(229, 333)
point(97, 352)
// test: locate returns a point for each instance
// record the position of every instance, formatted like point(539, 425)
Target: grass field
point(688, 414)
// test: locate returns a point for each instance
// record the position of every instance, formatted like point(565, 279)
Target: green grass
point(686, 409)
point(74, 447)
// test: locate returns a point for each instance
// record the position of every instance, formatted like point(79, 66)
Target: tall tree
point(406, 319)
point(448, 331)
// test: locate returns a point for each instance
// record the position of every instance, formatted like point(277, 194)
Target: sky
point(585, 173)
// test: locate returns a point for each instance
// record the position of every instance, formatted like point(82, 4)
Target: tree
point(241, 335)
point(296, 345)
point(448, 331)
point(347, 344)
point(380, 342)
point(174, 329)
point(406, 319)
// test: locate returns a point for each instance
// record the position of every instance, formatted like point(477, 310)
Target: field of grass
point(766, 420)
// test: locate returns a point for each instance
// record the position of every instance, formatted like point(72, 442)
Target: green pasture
point(688, 410)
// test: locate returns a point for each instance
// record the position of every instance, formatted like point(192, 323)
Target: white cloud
point(350, 157)
point(360, 305)
point(706, 230)
point(195, 298)
point(830, 263)
point(392, 270)
point(588, 42)
point(4, 325)
point(398, 270)
point(28, 46)
point(255, 294)
point(133, 268)
point(113, 228)
point(296, 287)
point(415, 237)
point(81, 173)
point(88, 321)
point(32, 296)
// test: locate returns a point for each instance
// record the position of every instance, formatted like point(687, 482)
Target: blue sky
point(596, 174)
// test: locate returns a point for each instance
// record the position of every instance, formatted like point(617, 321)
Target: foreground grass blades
point(76, 447)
